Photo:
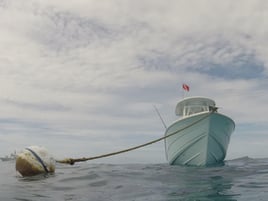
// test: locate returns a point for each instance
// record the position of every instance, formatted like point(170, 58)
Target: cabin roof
point(193, 101)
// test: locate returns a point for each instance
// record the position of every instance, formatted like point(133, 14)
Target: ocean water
point(243, 179)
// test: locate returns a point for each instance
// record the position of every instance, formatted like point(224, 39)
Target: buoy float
point(34, 160)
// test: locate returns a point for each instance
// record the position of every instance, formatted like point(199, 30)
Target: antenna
point(160, 116)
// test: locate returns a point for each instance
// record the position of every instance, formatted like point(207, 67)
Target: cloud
point(88, 71)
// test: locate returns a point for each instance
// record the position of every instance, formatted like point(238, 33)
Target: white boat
point(201, 136)
point(9, 158)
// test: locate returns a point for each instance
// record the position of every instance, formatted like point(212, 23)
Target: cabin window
point(193, 109)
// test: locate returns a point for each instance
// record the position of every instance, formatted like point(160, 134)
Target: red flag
point(186, 87)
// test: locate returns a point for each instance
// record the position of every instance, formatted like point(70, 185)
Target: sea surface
point(243, 179)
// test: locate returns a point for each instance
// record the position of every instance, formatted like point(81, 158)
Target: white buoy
point(34, 160)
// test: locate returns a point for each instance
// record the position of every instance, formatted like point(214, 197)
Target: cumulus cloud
point(86, 70)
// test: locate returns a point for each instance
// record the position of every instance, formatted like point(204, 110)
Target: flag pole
point(182, 90)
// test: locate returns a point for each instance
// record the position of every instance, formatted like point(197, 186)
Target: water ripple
point(242, 179)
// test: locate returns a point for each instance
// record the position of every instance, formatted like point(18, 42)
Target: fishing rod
point(160, 116)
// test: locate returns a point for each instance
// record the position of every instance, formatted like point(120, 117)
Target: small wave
point(236, 180)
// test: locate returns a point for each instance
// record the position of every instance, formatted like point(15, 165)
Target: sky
point(81, 77)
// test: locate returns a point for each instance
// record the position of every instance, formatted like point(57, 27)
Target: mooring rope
point(72, 161)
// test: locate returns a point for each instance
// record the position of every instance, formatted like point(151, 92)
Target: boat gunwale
point(194, 115)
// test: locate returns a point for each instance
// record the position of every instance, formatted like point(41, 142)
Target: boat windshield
point(194, 105)
point(193, 109)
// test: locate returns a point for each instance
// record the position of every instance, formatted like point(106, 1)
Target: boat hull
point(200, 144)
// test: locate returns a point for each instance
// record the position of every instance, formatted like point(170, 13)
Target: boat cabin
point(194, 105)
